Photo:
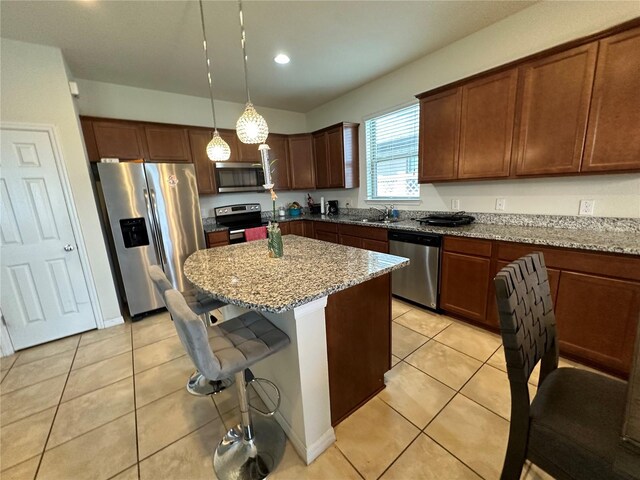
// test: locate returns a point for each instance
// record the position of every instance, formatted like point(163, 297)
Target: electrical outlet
point(586, 207)
point(500, 203)
point(455, 204)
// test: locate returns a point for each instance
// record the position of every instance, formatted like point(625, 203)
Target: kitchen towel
point(257, 233)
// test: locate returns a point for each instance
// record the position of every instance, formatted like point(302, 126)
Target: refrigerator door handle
point(152, 226)
point(156, 219)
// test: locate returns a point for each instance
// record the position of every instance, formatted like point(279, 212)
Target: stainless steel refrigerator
point(154, 217)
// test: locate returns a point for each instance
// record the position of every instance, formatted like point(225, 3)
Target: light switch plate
point(455, 204)
point(500, 203)
point(587, 207)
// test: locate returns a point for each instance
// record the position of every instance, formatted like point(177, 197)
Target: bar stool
point(201, 305)
point(252, 449)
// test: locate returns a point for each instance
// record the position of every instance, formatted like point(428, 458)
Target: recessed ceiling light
point(281, 58)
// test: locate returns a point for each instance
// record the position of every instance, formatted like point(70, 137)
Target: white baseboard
point(112, 322)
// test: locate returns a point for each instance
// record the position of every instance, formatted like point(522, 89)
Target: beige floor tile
point(157, 353)
point(23, 471)
point(162, 380)
point(37, 371)
point(445, 364)
point(7, 362)
point(47, 350)
point(497, 360)
point(473, 434)
point(166, 420)
point(98, 454)
point(103, 349)
point(398, 308)
point(129, 474)
point(97, 375)
point(102, 334)
point(394, 360)
point(424, 322)
point(29, 400)
point(91, 410)
point(490, 388)
point(533, 472)
point(150, 320)
point(152, 333)
point(426, 460)
point(405, 341)
point(25, 439)
point(473, 341)
point(189, 458)
point(330, 465)
point(3, 374)
point(373, 436)
point(414, 394)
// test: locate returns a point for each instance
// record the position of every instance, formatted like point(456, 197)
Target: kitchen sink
point(379, 220)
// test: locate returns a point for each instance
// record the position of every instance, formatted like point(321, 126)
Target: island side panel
point(358, 344)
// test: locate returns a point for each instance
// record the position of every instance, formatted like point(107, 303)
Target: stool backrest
point(527, 320)
point(160, 280)
point(193, 334)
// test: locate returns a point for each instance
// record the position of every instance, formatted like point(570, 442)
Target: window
point(392, 155)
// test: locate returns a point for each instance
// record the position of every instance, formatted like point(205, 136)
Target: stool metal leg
point(251, 450)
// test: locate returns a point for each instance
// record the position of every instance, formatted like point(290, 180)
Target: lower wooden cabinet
point(465, 280)
point(327, 232)
point(368, 238)
point(302, 228)
point(217, 239)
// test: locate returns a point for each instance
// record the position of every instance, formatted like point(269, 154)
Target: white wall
point(534, 29)
point(34, 89)
point(119, 101)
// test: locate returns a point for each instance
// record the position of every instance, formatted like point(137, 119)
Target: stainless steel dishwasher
point(418, 282)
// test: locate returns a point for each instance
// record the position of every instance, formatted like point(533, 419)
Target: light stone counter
point(244, 275)
point(292, 293)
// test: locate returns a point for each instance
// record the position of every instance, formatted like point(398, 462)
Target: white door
point(43, 293)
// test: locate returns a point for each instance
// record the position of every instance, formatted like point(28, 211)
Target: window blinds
point(392, 155)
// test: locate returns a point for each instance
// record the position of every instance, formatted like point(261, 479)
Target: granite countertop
point(244, 275)
point(585, 239)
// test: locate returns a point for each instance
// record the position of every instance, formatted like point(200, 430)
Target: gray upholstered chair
point(573, 426)
point(254, 448)
point(201, 305)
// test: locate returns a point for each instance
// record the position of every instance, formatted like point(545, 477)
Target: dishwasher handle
point(428, 240)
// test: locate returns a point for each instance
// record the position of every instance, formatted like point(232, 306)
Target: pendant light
point(217, 149)
point(251, 127)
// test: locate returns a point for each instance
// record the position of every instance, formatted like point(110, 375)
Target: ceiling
point(335, 46)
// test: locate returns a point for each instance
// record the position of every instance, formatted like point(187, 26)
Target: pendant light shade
point(217, 149)
point(251, 127)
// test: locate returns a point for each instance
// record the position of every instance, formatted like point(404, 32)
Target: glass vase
point(274, 242)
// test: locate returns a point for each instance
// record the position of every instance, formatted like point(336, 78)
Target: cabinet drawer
point(470, 246)
point(372, 233)
point(217, 239)
point(326, 227)
point(375, 245)
point(327, 236)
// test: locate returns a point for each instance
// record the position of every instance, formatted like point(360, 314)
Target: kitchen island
point(334, 303)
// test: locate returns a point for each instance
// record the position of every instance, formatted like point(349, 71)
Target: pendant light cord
point(243, 42)
point(208, 63)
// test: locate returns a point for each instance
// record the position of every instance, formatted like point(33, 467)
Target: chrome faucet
point(386, 211)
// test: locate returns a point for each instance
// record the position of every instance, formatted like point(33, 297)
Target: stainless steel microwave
point(239, 177)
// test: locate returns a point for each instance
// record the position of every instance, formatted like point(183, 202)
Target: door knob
point(69, 248)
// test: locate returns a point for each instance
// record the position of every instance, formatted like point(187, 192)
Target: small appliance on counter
point(333, 207)
point(447, 219)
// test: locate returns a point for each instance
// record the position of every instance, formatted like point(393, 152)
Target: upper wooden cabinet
point(439, 136)
point(116, 139)
point(249, 152)
point(167, 144)
point(336, 156)
point(555, 92)
point(279, 156)
point(614, 120)
point(205, 168)
point(301, 161)
point(231, 138)
point(486, 126)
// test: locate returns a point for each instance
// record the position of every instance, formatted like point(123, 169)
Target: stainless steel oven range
point(238, 218)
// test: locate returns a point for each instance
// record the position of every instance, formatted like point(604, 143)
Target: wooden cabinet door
point(231, 138)
point(614, 120)
point(464, 287)
point(280, 162)
point(554, 93)
point(308, 229)
point(439, 136)
point(296, 228)
point(285, 227)
point(217, 239)
point(327, 236)
point(351, 241)
point(249, 152)
point(167, 144)
point(118, 140)
point(321, 155)
point(375, 245)
point(205, 168)
point(597, 317)
point(301, 163)
point(336, 158)
point(486, 126)
point(89, 139)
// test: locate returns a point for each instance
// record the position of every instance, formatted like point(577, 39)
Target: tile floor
point(112, 404)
